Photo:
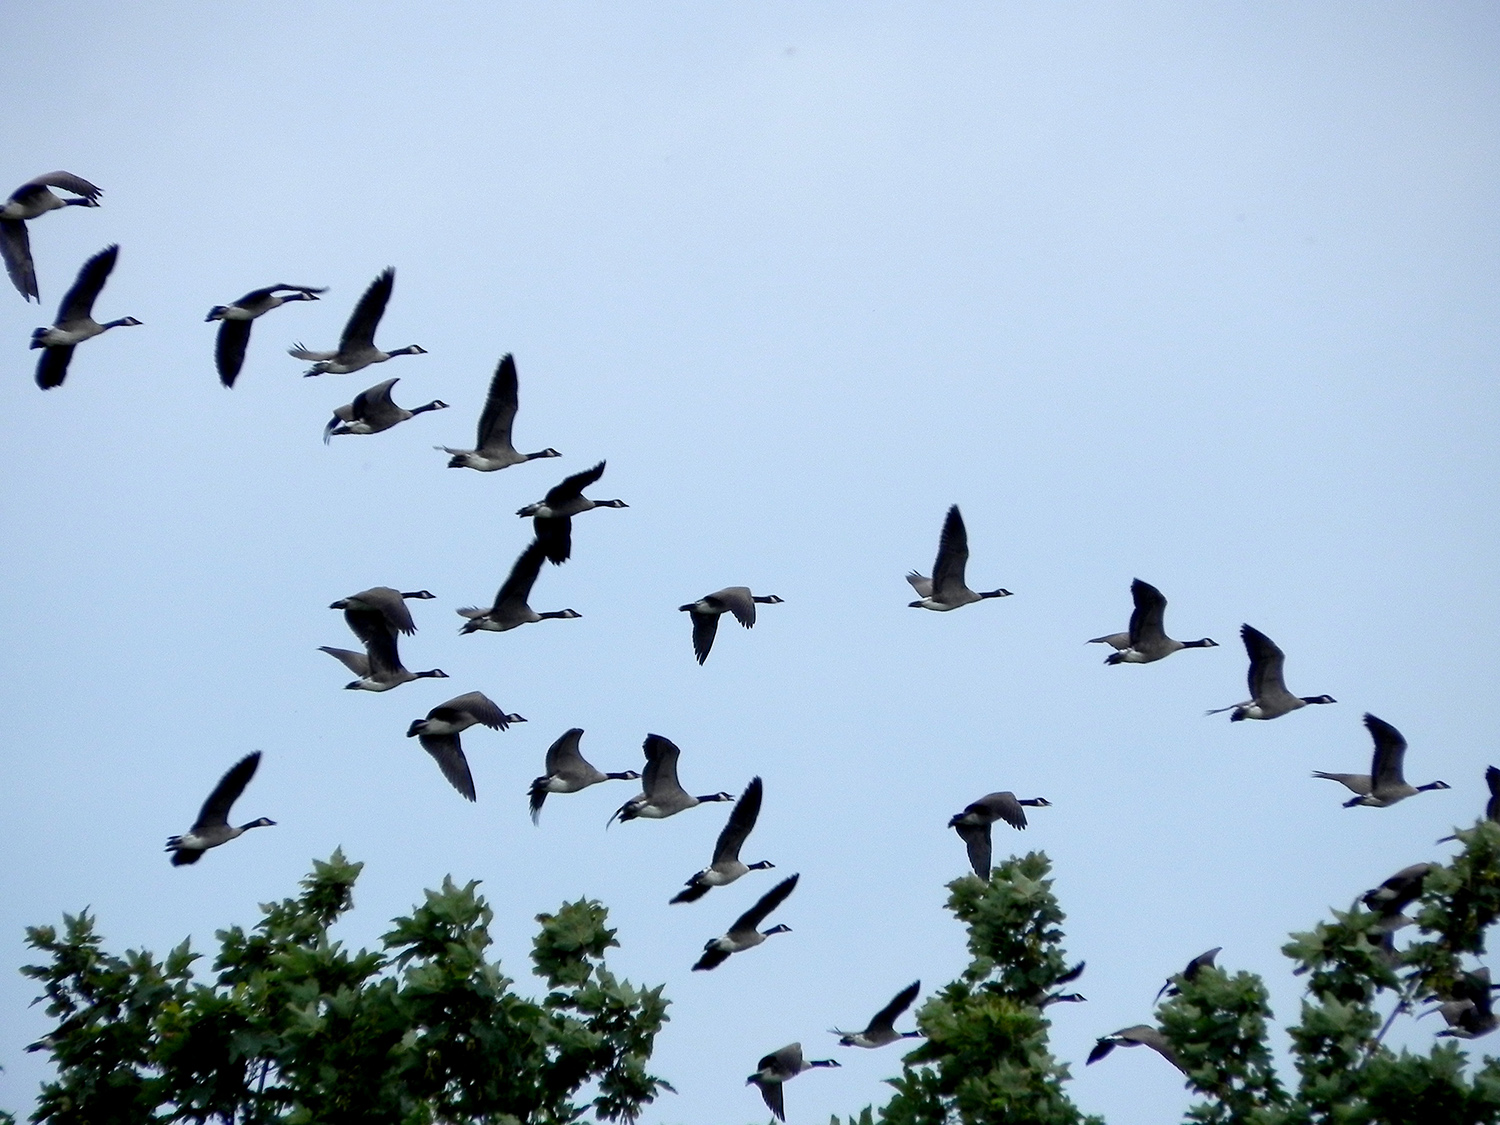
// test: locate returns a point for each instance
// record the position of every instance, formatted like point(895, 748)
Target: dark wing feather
point(449, 755)
point(65, 180)
point(1103, 1047)
point(522, 576)
point(953, 554)
point(216, 809)
point(886, 1017)
point(752, 918)
point(693, 893)
point(1390, 752)
point(1150, 609)
point(705, 628)
point(555, 534)
point(79, 301)
point(1492, 779)
point(976, 838)
point(499, 408)
point(563, 756)
point(1266, 661)
point(572, 487)
point(661, 764)
point(478, 706)
point(712, 958)
point(229, 351)
point(15, 247)
point(360, 331)
point(771, 1094)
point(741, 821)
point(381, 647)
point(52, 368)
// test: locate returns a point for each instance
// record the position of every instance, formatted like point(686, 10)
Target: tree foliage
point(296, 1029)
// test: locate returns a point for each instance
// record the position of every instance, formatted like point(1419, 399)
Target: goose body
point(31, 200)
point(661, 794)
point(1397, 893)
point(746, 933)
point(1467, 1007)
point(973, 824)
point(380, 608)
point(511, 609)
point(777, 1068)
point(946, 590)
point(75, 321)
point(706, 611)
point(234, 331)
point(493, 449)
point(568, 772)
point(1269, 698)
point(1141, 1035)
point(438, 734)
point(379, 667)
point(357, 349)
point(881, 1029)
point(212, 827)
point(552, 515)
point(1386, 783)
point(373, 412)
point(727, 865)
point(1146, 641)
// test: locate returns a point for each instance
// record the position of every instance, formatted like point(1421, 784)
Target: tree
point(295, 1029)
point(985, 1058)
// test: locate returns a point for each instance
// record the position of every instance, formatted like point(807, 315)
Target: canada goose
point(778, 1067)
point(379, 666)
point(1189, 974)
point(707, 610)
point(1146, 641)
point(568, 772)
point(357, 348)
point(745, 933)
point(552, 515)
point(234, 332)
point(973, 824)
point(1269, 698)
point(380, 607)
point(373, 412)
point(881, 1028)
point(1492, 806)
point(945, 590)
point(75, 321)
point(727, 865)
point(493, 442)
point(510, 608)
point(1397, 893)
point(212, 827)
point(1467, 1006)
point(1384, 785)
point(29, 201)
point(1041, 998)
point(438, 733)
point(1141, 1035)
point(661, 795)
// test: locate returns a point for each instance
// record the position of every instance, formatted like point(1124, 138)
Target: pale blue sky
point(1200, 294)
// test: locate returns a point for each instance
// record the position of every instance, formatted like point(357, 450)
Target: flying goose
point(568, 772)
point(493, 442)
point(552, 515)
point(1141, 1035)
point(945, 590)
point(510, 608)
point(212, 827)
point(373, 412)
point(1492, 806)
point(1146, 641)
point(29, 201)
point(707, 610)
point(75, 321)
point(727, 865)
point(234, 332)
point(881, 1028)
point(357, 348)
point(745, 933)
point(1269, 698)
point(973, 824)
point(379, 667)
point(1189, 974)
point(1384, 785)
point(661, 796)
point(380, 607)
point(778, 1067)
point(1041, 998)
point(438, 733)
point(1397, 893)
point(1467, 1006)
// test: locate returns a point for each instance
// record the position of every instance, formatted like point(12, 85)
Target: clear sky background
point(1204, 295)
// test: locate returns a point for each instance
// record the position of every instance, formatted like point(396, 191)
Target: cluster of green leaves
point(295, 1029)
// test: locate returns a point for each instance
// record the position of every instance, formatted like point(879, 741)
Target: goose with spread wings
point(706, 611)
point(493, 449)
point(727, 866)
point(438, 734)
point(1147, 640)
point(973, 824)
point(946, 590)
point(31, 200)
point(552, 515)
point(661, 794)
point(235, 318)
point(777, 1068)
point(568, 772)
point(75, 321)
point(1269, 698)
point(357, 349)
point(212, 827)
point(373, 412)
point(882, 1026)
point(1386, 782)
point(511, 609)
point(746, 933)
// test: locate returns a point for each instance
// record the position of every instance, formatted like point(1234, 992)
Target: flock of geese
point(380, 615)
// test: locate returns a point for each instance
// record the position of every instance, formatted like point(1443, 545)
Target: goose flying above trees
point(1147, 641)
point(1385, 784)
point(777, 1068)
point(493, 449)
point(234, 331)
point(1492, 806)
point(882, 1027)
point(552, 516)
point(29, 201)
point(373, 412)
point(568, 772)
point(1269, 698)
point(746, 933)
point(75, 321)
point(973, 824)
point(357, 349)
point(1397, 893)
point(510, 608)
point(945, 590)
point(707, 610)
point(1141, 1035)
point(661, 795)
point(727, 865)
point(438, 734)
point(212, 827)
point(1190, 974)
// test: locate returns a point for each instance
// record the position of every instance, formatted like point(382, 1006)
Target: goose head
point(263, 822)
point(763, 865)
point(425, 595)
point(410, 349)
point(1318, 699)
point(779, 928)
point(610, 504)
point(1204, 643)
